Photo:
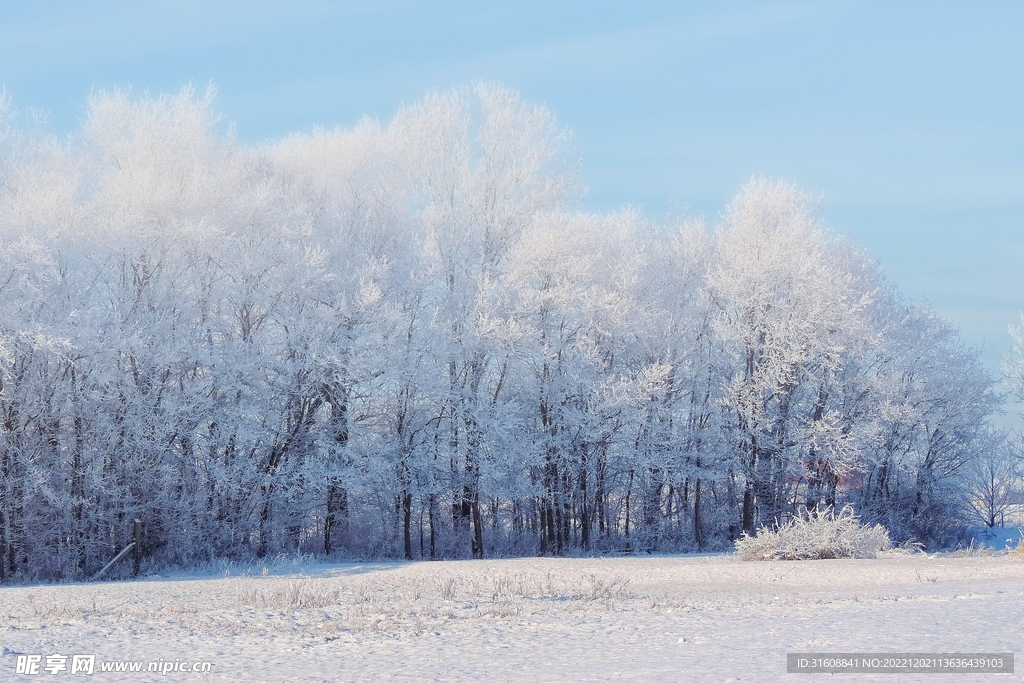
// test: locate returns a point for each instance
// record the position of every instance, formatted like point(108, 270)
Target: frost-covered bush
point(817, 535)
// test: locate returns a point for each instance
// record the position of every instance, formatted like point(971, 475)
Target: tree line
point(406, 340)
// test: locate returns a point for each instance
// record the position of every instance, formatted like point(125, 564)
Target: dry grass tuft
point(287, 595)
point(603, 587)
point(905, 549)
point(974, 550)
point(446, 588)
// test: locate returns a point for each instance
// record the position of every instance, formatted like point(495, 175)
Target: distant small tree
point(995, 480)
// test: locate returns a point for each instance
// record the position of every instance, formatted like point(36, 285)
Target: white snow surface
point(689, 618)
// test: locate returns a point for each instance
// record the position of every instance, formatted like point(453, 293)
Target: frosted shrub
point(817, 535)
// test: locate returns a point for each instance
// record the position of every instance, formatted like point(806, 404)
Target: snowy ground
point(711, 618)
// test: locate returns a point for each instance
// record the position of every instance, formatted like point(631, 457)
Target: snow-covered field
point(704, 618)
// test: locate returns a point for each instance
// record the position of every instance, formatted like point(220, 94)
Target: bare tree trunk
point(407, 523)
point(584, 502)
point(747, 515)
point(337, 511)
point(433, 532)
point(629, 495)
point(698, 533)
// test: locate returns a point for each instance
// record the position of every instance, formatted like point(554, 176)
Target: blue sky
point(907, 119)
